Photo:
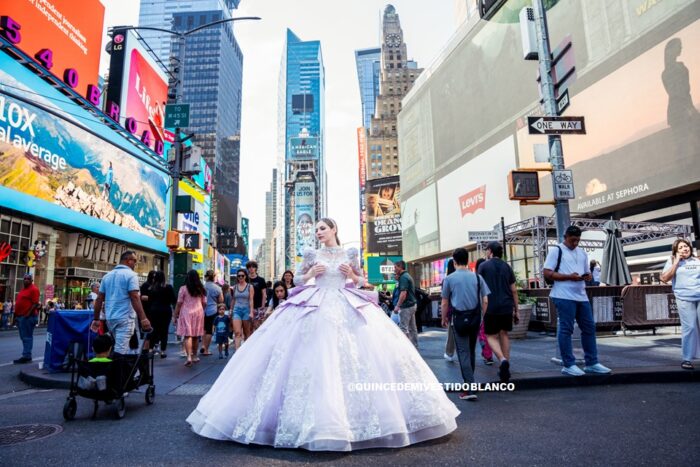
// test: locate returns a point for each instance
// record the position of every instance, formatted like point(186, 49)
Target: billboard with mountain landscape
point(60, 164)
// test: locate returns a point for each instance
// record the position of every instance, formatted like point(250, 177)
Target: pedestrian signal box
point(523, 185)
point(192, 241)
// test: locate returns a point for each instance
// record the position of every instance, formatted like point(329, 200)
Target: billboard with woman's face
point(305, 216)
point(383, 215)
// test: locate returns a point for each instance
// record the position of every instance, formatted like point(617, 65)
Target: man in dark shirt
point(260, 295)
point(406, 304)
point(502, 308)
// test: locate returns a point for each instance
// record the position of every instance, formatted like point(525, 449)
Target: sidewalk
point(638, 358)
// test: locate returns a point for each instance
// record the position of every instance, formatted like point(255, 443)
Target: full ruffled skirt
point(328, 370)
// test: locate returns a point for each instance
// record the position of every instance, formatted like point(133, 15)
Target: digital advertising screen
point(304, 216)
point(71, 29)
point(60, 163)
point(383, 215)
point(137, 84)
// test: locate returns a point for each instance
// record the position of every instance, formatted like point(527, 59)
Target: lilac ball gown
point(294, 383)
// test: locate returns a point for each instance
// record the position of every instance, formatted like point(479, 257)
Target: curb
point(41, 379)
point(555, 380)
point(524, 381)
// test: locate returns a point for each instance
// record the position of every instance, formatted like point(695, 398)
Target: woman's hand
point(347, 270)
point(316, 270)
point(676, 259)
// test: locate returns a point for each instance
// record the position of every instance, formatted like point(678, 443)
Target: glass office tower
point(301, 112)
point(368, 64)
point(159, 14)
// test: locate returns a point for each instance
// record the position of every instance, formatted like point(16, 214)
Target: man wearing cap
point(26, 314)
point(502, 308)
point(567, 265)
point(119, 294)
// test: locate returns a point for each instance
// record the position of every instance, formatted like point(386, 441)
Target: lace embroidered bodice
point(332, 258)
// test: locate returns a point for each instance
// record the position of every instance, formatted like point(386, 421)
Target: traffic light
point(523, 185)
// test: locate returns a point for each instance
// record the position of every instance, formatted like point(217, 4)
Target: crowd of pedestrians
point(477, 306)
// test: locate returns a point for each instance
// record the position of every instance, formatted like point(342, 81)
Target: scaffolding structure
point(540, 233)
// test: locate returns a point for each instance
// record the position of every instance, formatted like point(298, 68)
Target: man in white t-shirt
point(567, 265)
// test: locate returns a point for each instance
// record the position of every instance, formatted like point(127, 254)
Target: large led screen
point(54, 168)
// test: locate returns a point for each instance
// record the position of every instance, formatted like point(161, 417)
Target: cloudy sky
point(342, 27)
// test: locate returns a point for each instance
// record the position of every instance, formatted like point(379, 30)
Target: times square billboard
point(383, 215)
point(138, 85)
point(62, 164)
point(64, 34)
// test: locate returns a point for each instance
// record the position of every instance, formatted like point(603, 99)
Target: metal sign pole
point(178, 157)
point(556, 154)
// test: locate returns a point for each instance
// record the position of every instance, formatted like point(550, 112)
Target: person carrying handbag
point(466, 295)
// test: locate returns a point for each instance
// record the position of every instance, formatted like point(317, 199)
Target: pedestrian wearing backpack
point(568, 267)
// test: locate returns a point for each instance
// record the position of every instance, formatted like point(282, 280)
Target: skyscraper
point(212, 85)
point(368, 63)
point(159, 14)
point(396, 78)
point(301, 133)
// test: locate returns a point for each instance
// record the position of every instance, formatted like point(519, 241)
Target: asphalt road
point(606, 425)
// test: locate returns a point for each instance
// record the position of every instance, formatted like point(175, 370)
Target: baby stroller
point(108, 382)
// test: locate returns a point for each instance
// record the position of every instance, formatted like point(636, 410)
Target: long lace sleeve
point(354, 257)
point(307, 262)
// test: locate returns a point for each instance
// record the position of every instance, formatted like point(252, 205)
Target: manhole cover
point(24, 433)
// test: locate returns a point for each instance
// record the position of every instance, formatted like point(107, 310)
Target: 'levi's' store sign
point(65, 38)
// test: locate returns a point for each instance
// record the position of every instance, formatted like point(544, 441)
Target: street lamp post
point(175, 171)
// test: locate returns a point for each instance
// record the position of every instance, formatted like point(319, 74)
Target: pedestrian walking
point(243, 301)
point(260, 295)
point(146, 303)
point(450, 353)
point(567, 265)
point(189, 314)
point(465, 295)
point(222, 327)
point(161, 300)
point(279, 296)
point(214, 297)
point(486, 352)
point(594, 266)
point(683, 270)
point(26, 311)
point(6, 311)
point(288, 279)
point(119, 295)
point(92, 296)
point(228, 297)
point(502, 308)
point(268, 291)
point(406, 304)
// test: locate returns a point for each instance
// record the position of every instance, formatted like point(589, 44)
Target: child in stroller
point(109, 379)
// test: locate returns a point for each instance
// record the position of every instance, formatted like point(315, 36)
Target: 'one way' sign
point(556, 125)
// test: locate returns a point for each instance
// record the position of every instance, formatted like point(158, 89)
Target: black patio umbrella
point(614, 270)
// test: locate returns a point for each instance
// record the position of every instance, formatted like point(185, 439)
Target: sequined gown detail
point(294, 383)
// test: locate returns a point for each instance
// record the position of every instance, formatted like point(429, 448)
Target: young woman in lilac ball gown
point(327, 371)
